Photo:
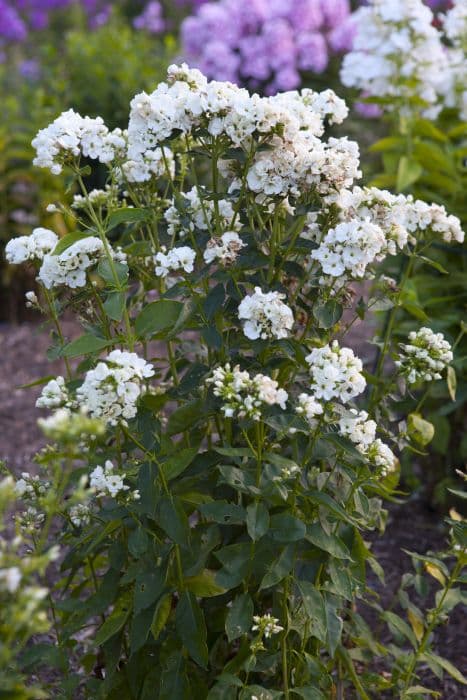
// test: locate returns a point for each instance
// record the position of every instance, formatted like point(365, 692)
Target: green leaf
point(257, 520)
point(174, 683)
point(106, 271)
point(157, 316)
point(138, 542)
point(287, 528)
point(214, 301)
point(421, 690)
point(279, 568)
point(185, 416)
point(334, 624)
point(308, 692)
point(86, 344)
point(161, 614)
point(313, 604)
point(115, 621)
point(239, 617)
point(69, 239)
point(127, 215)
point(452, 382)
point(323, 499)
point(342, 583)
point(204, 585)
point(148, 587)
point(232, 451)
point(434, 264)
point(391, 143)
point(408, 172)
point(328, 314)
point(191, 628)
point(419, 429)
point(223, 512)
point(446, 665)
point(398, 625)
point(140, 626)
point(114, 305)
point(173, 520)
point(177, 463)
point(328, 543)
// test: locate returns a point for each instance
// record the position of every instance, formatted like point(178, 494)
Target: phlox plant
point(422, 101)
point(219, 453)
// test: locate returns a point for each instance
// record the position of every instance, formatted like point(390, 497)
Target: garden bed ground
point(411, 526)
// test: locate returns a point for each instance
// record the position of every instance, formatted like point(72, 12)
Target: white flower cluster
point(425, 356)
point(110, 390)
point(31, 486)
point(54, 394)
point(302, 164)
point(66, 425)
point(398, 54)
point(158, 162)
point(80, 514)
point(455, 24)
point(182, 258)
point(358, 428)
point(335, 373)
point(349, 248)
point(266, 625)
point(243, 395)
point(104, 482)
point(199, 213)
point(398, 216)
point(72, 135)
point(224, 249)
point(97, 198)
point(33, 247)
point(293, 122)
point(382, 457)
point(10, 579)
point(308, 407)
point(265, 315)
point(69, 267)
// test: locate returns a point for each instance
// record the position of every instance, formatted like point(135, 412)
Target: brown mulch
point(412, 526)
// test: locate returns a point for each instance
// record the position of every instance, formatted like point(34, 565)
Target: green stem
point(388, 328)
point(285, 620)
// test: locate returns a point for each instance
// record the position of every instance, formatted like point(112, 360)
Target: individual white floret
point(265, 315)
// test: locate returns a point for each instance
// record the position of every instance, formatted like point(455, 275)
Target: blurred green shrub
point(428, 159)
point(93, 72)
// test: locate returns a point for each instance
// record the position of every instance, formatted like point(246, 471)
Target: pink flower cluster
point(266, 44)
